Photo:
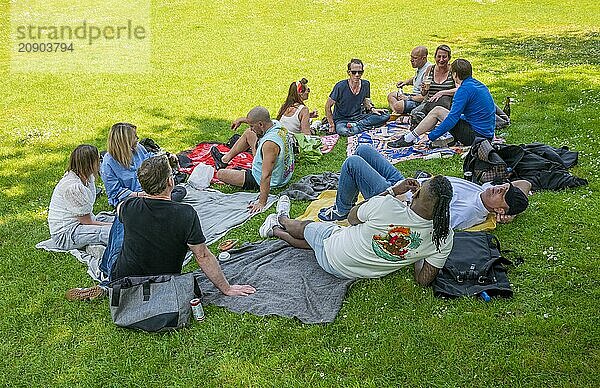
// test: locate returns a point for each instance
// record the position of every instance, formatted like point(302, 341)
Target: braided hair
point(440, 190)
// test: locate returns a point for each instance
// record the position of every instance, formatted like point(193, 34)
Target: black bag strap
point(197, 290)
point(146, 290)
point(116, 295)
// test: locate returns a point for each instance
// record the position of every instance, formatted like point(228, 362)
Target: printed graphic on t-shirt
point(396, 243)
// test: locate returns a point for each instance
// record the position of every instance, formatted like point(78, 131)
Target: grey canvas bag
point(153, 303)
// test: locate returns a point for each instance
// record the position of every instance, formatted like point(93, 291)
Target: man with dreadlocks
point(385, 233)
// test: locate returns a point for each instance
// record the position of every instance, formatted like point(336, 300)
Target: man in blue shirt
point(472, 113)
point(350, 96)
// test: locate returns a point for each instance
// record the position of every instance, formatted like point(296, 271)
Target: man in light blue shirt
point(472, 113)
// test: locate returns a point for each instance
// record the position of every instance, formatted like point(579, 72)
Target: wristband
point(390, 190)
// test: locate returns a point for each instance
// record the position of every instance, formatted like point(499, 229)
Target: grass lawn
point(214, 60)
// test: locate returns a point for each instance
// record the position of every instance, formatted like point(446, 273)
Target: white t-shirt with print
point(391, 237)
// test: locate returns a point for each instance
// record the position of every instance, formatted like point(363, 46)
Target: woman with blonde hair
point(70, 218)
point(293, 114)
point(120, 164)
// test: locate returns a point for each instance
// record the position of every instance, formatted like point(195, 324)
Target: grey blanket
point(220, 212)
point(309, 187)
point(289, 282)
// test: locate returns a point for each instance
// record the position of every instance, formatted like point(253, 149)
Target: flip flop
point(227, 245)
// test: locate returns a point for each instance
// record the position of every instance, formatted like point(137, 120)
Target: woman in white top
point(293, 114)
point(70, 218)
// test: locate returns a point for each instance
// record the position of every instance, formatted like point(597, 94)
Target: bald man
point(404, 103)
point(273, 162)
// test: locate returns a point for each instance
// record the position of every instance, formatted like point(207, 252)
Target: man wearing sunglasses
point(350, 97)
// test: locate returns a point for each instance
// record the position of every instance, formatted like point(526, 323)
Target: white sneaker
point(266, 229)
point(283, 206)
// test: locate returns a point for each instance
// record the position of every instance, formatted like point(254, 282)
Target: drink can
point(197, 309)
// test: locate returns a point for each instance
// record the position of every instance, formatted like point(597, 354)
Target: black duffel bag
point(474, 265)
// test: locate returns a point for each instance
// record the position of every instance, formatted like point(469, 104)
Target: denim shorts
point(315, 234)
point(409, 105)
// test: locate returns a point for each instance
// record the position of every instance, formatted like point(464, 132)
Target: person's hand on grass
point(240, 290)
point(256, 207)
point(503, 218)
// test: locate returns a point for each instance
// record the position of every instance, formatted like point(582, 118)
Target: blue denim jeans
point(366, 171)
point(363, 122)
point(113, 249)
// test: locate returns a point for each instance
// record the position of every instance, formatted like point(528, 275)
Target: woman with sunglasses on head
point(293, 114)
point(70, 218)
point(120, 164)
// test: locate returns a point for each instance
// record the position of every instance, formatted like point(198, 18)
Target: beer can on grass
point(197, 309)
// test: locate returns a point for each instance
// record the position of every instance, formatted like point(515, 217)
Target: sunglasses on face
point(355, 72)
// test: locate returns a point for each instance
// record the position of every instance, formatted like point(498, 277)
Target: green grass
point(212, 62)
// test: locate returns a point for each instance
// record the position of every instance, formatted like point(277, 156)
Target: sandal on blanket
point(227, 245)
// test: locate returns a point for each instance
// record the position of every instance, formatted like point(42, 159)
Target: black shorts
point(464, 133)
point(249, 181)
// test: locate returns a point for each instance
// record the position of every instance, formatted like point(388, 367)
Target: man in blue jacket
point(471, 114)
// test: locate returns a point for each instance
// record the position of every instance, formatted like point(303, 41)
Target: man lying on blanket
point(370, 173)
point(273, 162)
point(385, 233)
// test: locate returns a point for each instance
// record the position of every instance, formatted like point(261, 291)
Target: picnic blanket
point(90, 256)
point(380, 137)
point(309, 187)
point(289, 282)
point(219, 212)
point(327, 198)
point(201, 154)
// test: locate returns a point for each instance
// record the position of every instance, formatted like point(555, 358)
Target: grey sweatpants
point(81, 235)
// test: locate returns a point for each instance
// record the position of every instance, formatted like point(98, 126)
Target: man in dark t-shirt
point(350, 97)
point(158, 232)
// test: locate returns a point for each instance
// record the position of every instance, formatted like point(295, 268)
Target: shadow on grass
point(35, 163)
point(571, 49)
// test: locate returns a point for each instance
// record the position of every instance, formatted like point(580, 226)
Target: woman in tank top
point(438, 86)
point(293, 114)
point(438, 78)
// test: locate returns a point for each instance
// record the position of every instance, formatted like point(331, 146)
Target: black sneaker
point(217, 157)
point(401, 143)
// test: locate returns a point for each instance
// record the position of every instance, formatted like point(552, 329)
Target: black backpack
point(487, 162)
point(474, 265)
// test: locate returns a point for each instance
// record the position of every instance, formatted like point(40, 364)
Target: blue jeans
point(113, 249)
point(366, 171)
point(363, 122)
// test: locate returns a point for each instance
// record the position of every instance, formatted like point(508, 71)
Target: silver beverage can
point(197, 309)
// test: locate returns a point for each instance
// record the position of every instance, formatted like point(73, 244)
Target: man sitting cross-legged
point(385, 234)
point(369, 173)
point(349, 98)
point(273, 162)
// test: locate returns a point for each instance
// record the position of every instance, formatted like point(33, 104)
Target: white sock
point(410, 137)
